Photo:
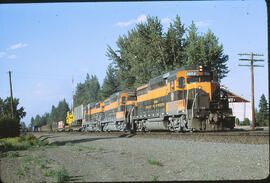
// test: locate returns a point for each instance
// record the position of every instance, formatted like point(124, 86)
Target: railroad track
point(166, 133)
point(237, 137)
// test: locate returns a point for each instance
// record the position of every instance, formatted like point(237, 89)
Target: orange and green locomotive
point(183, 100)
point(187, 99)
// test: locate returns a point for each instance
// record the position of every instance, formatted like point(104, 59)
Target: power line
point(251, 60)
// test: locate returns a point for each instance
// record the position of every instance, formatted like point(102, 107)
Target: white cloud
point(202, 23)
point(139, 19)
point(2, 54)
point(12, 57)
point(16, 46)
point(166, 21)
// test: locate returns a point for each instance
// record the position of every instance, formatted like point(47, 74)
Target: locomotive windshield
point(181, 81)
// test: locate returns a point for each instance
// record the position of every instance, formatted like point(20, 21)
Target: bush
point(237, 121)
point(9, 127)
point(246, 121)
point(21, 143)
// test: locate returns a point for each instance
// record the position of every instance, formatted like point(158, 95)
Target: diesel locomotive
point(186, 99)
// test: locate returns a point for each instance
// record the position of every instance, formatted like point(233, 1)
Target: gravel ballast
point(110, 158)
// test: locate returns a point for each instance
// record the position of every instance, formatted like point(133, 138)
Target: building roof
point(233, 97)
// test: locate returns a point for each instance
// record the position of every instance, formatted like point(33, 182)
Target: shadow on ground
point(45, 137)
point(62, 143)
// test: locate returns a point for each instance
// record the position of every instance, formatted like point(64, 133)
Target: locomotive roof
point(117, 94)
point(171, 75)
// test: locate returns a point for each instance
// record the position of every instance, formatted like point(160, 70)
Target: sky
point(44, 45)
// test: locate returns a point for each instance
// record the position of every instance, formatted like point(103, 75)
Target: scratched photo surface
point(134, 91)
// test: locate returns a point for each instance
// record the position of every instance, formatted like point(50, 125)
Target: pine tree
point(111, 83)
point(262, 116)
point(88, 91)
point(205, 50)
point(147, 51)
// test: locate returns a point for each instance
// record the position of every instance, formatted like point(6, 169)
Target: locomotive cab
point(118, 109)
point(205, 108)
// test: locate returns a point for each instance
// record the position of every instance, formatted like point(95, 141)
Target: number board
point(192, 73)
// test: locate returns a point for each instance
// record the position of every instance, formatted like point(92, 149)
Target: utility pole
point(11, 96)
point(252, 60)
point(72, 95)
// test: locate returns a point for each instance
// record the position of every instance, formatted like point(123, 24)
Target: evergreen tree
point(53, 115)
point(23, 126)
point(32, 122)
point(88, 91)
point(5, 108)
point(37, 120)
point(62, 110)
point(147, 51)
point(111, 83)
point(262, 116)
point(205, 50)
point(44, 119)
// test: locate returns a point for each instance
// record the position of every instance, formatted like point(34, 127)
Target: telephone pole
point(72, 95)
point(252, 60)
point(11, 96)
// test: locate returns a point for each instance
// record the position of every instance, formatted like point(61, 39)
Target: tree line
point(149, 50)
point(57, 113)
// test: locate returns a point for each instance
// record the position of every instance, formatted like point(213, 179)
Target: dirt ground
point(91, 158)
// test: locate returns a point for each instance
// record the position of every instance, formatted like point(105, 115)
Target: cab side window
point(172, 85)
point(123, 100)
point(181, 82)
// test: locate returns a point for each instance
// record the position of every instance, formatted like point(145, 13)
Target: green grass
point(14, 154)
point(69, 144)
point(41, 162)
point(28, 159)
point(91, 148)
point(61, 175)
point(154, 162)
point(22, 170)
point(79, 149)
point(155, 178)
point(49, 173)
point(33, 161)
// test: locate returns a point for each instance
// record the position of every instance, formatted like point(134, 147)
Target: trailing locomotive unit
point(117, 110)
point(187, 99)
point(94, 114)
